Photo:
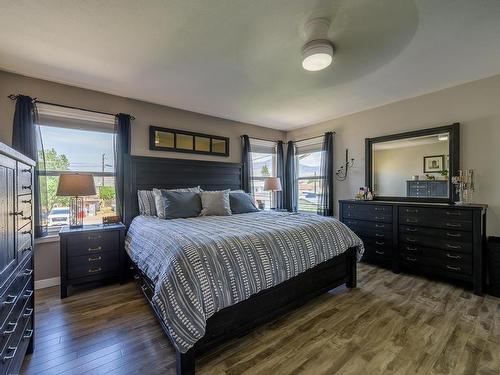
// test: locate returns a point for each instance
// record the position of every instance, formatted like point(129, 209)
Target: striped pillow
point(147, 204)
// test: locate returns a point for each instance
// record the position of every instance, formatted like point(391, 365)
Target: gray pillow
point(181, 204)
point(215, 203)
point(241, 203)
point(147, 204)
point(159, 198)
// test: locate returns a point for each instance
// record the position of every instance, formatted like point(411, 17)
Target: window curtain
point(246, 158)
point(280, 173)
point(325, 204)
point(26, 138)
point(290, 188)
point(121, 149)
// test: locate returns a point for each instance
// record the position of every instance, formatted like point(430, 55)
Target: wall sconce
point(341, 174)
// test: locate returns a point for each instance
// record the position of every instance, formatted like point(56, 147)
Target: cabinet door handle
point(453, 234)
point(28, 334)
point(7, 357)
point(95, 248)
point(453, 256)
point(453, 246)
point(28, 312)
point(380, 252)
point(9, 331)
point(93, 259)
point(94, 270)
point(10, 299)
point(27, 272)
point(453, 268)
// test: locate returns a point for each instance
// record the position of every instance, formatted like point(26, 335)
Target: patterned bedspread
point(202, 265)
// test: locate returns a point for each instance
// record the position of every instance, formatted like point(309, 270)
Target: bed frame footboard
point(237, 320)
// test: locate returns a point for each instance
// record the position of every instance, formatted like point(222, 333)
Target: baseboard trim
point(47, 283)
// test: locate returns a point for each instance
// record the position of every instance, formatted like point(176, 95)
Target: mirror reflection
point(412, 167)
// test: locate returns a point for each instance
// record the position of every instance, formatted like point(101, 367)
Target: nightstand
point(91, 253)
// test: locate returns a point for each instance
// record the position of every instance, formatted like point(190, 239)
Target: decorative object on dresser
point(16, 260)
point(464, 184)
point(91, 253)
point(76, 186)
point(436, 239)
point(164, 139)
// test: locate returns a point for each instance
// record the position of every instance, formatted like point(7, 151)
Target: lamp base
point(76, 212)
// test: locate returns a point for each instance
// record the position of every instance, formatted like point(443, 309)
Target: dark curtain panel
point(280, 172)
point(325, 205)
point(246, 159)
point(290, 188)
point(26, 138)
point(121, 149)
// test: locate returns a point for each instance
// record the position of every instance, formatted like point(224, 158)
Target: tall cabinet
point(16, 259)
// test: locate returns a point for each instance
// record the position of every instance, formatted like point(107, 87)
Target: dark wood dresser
point(92, 253)
point(16, 259)
point(437, 239)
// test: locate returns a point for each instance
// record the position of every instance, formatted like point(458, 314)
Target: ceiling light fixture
point(317, 53)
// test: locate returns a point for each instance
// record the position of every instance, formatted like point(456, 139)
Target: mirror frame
point(454, 151)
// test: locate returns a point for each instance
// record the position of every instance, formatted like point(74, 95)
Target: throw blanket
point(202, 265)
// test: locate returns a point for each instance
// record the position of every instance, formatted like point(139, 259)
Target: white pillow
point(215, 203)
point(160, 200)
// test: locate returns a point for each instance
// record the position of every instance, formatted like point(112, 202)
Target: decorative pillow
point(215, 203)
point(181, 204)
point(159, 199)
point(147, 204)
point(241, 203)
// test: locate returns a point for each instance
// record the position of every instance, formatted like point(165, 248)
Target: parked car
point(58, 216)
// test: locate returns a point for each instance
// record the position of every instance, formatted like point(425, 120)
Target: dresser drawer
point(17, 342)
point(90, 265)
point(377, 249)
point(434, 232)
point(445, 244)
point(24, 179)
point(440, 255)
point(93, 243)
point(24, 214)
point(369, 212)
point(370, 229)
point(455, 219)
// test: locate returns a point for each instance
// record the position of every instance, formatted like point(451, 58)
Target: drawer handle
point(93, 259)
point(26, 217)
point(28, 293)
point(95, 248)
point(411, 211)
point(9, 331)
point(144, 288)
point(27, 272)
point(7, 357)
point(453, 246)
point(26, 249)
point(453, 213)
point(453, 234)
point(10, 300)
point(408, 220)
point(453, 268)
point(411, 248)
point(380, 242)
point(93, 238)
point(379, 218)
point(379, 209)
point(412, 229)
point(26, 187)
point(94, 270)
point(16, 213)
point(26, 201)
point(380, 252)
point(411, 259)
point(26, 232)
point(28, 312)
point(26, 170)
point(379, 226)
point(453, 225)
point(28, 334)
point(453, 256)
point(410, 239)
point(379, 235)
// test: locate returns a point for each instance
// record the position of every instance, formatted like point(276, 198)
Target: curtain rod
point(298, 140)
point(14, 97)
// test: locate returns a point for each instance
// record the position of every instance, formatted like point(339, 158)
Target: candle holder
point(464, 184)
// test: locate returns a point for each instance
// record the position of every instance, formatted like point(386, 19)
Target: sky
point(83, 149)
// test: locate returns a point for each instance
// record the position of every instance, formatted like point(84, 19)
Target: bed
point(210, 279)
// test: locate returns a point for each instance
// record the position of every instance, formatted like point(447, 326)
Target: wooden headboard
point(146, 173)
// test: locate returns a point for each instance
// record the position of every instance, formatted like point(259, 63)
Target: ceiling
point(241, 59)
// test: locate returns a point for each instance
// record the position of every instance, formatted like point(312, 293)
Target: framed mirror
point(414, 166)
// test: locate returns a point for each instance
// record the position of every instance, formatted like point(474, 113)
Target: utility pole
point(102, 169)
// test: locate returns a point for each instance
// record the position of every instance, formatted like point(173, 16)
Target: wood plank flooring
point(391, 324)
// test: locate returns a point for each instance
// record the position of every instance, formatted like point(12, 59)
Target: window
point(309, 179)
point(264, 165)
point(75, 144)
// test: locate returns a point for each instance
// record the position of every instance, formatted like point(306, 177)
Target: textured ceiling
point(241, 60)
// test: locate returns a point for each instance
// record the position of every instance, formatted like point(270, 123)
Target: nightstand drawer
point(107, 260)
point(93, 243)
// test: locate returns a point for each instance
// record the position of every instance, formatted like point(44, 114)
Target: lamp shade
point(272, 184)
point(76, 185)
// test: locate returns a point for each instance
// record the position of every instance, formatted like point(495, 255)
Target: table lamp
point(272, 184)
point(76, 186)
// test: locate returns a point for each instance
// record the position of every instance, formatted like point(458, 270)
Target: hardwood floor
point(391, 324)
